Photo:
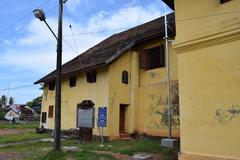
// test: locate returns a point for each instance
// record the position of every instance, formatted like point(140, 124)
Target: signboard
point(102, 117)
point(85, 118)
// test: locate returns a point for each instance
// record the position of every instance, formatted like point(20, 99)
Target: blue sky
point(28, 50)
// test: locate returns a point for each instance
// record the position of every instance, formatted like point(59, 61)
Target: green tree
point(36, 102)
point(4, 100)
point(2, 113)
point(11, 101)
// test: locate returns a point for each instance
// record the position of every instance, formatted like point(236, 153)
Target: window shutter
point(143, 59)
point(44, 117)
point(50, 112)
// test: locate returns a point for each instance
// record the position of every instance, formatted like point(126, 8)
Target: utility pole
point(57, 126)
point(168, 77)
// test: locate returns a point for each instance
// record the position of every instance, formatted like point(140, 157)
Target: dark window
point(44, 117)
point(152, 58)
point(224, 1)
point(125, 77)
point(50, 112)
point(51, 86)
point(72, 81)
point(92, 76)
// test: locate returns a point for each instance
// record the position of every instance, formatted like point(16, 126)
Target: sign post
point(102, 121)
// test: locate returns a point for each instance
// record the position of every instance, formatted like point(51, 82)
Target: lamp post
point(39, 13)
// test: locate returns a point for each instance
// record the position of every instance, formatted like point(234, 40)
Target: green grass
point(132, 147)
point(28, 125)
point(27, 136)
point(43, 150)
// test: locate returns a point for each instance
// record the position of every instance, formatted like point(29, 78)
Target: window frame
point(72, 81)
point(91, 76)
point(147, 57)
point(50, 111)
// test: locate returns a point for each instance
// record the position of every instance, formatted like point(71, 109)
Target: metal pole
point(57, 126)
point(168, 78)
point(50, 29)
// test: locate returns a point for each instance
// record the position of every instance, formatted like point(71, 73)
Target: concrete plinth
point(169, 142)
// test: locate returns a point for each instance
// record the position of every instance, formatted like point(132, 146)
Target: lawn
point(43, 150)
point(31, 124)
point(37, 150)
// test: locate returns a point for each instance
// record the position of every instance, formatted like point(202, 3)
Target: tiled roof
point(111, 48)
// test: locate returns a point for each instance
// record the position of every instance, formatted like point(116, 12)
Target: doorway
point(122, 112)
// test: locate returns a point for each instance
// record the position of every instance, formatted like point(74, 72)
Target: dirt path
point(127, 157)
point(10, 156)
point(13, 131)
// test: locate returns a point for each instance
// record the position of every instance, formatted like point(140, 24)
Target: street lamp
point(39, 13)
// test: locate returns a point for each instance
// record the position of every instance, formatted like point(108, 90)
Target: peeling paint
point(226, 115)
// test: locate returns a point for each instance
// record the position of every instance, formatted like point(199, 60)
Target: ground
point(22, 143)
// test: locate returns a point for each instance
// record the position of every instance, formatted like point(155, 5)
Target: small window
point(91, 77)
point(125, 77)
point(152, 58)
point(51, 86)
point(50, 112)
point(43, 117)
point(224, 1)
point(72, 81)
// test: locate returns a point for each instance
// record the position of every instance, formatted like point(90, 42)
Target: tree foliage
point(11, 101)
point(36, 104)
point(4, 100)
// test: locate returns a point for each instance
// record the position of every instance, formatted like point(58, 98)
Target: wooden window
point(51, 86)
point(91, 77)
point(50, 112)
point(152, 58)
point(43, 117)
point(125, 77)
point(224, 1)
point(72, 81)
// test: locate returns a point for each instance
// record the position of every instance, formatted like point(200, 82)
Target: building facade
point(125, 73)
point(208, 44)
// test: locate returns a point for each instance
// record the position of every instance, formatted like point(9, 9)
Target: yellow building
point(125, 73)
point(208, 48)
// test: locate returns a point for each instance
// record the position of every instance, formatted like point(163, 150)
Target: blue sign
point(102, 117)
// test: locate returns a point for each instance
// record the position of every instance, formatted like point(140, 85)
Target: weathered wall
point(153, 95)
point(119, 93)
point(144, 95)
point(71, 96)
point(207, 43)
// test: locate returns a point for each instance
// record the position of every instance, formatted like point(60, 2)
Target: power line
point(21, 28)
point(18, 87)
point(93, 32)
point(21, 19)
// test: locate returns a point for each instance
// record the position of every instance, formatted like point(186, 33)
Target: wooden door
point(122, 119)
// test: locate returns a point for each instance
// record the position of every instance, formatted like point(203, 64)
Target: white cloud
point(37, 50)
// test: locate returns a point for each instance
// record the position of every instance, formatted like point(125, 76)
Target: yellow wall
point(141, 95)
point(209, 75)
point(97, 92)
point(153, 94)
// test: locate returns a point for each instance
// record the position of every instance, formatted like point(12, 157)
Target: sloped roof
point(111, 48)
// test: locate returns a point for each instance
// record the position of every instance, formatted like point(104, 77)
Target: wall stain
point(226, 115)
point(158, 106)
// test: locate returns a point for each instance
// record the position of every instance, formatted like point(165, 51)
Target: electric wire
point(21, 19)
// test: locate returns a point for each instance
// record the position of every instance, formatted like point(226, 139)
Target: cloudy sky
point(28, 49)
